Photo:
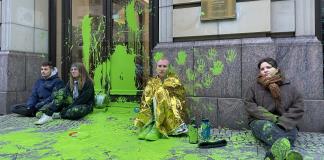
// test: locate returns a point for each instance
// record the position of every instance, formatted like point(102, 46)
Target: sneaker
point(153, 135)
point(280, 148)
point(294, 155)
point(56, 115)
point(44, 119)
point(144, 132)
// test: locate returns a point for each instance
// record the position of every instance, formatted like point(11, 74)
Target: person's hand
point(39, 105)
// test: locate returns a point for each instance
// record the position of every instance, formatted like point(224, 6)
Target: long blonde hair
point(82, 77)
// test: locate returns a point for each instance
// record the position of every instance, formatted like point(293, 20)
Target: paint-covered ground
point(111, 135)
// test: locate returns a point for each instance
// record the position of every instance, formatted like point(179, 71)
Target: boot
point(144, 132)
point(280, 148)
point(293, 155)
point(153, 135)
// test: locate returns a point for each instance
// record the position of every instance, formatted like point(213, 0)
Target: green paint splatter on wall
point(101, 78)
point(123, 71)
point(217, 68)
point(201, 65)
point(207, 81)
point(190, 74)
point(182, 57)
point(158, 56)
point(172, 69)
point(212, 53)
point(230, 55)
point(131, 17)
point(86, 37)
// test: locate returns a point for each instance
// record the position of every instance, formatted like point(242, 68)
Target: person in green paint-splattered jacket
point(275, 107)
point(74, 101)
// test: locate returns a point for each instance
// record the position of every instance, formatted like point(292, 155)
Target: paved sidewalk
point(110, 135)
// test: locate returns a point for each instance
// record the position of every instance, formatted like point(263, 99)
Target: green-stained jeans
point(268, 132)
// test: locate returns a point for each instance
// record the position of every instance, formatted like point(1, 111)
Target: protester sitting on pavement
point(162, 106)
point(41, 91)
point(74, 101)
point(275, 107)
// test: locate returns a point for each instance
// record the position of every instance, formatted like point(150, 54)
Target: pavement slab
point(110, 135)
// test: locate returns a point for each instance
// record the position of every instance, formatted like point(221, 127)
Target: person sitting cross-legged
point(275, 107)
point(42, 91)
point(74, 101)
point(162, 107)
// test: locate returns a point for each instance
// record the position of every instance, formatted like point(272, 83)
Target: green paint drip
point(182, 56)
point(158, 56)
point(217, 68)
point(101, 77)
point(123, 72)
point(86, 39)
point(131, 17)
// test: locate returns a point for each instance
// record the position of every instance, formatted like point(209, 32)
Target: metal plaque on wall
point(217, 9)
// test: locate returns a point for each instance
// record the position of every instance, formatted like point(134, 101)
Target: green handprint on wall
point(201, 65)
point(171, 69)
point(190, 75)
point(212, 53)
point(158, 56)
point(182, 56)
point(217, 68)
point(207, 81)
point(230, 55)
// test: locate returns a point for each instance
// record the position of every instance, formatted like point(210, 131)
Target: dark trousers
point(268, 132)
point(62, 103)
point(24, 110)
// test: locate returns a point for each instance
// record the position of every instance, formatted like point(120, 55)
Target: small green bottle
point(193, 132)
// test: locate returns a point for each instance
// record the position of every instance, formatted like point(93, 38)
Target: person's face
point(267, 70)
point(162, 68)
point(74, 72)
point(45, 71)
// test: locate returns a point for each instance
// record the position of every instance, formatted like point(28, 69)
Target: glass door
point(111, 38)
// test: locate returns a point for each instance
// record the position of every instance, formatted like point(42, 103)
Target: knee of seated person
point(261, 123)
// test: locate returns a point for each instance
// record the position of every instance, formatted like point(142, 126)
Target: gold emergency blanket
point(170, 108)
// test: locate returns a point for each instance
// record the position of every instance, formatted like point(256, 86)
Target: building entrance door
point(111, 37)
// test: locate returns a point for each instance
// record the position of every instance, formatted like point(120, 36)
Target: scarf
point(75, 90)
point(272, 84)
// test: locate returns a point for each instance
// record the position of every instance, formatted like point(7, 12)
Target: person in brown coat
point(275, 107)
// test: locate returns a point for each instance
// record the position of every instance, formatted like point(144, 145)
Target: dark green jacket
point(86, 95)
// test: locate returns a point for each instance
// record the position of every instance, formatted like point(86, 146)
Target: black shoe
point(269, 156)
point(219, 143)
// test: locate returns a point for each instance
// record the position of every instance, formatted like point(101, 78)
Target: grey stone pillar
point(165, 21)
point(24, 46)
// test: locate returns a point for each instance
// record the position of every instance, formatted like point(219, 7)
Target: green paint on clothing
point(212, 53)
point(182, 56)
point(86, 39)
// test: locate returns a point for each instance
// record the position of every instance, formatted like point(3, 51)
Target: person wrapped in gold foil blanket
point(162, 108)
